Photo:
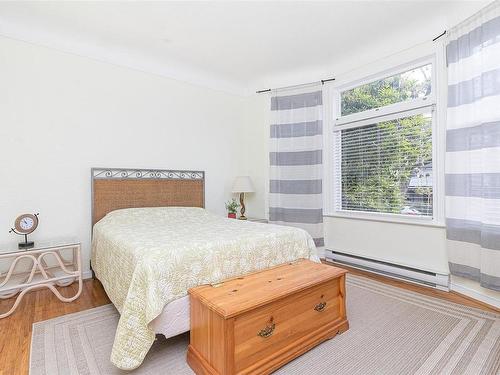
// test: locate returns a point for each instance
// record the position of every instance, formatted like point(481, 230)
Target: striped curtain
point(296, 155)
point(473, 148)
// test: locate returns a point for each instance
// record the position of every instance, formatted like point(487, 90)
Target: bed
point(153, 240)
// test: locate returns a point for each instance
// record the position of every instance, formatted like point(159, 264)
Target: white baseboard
point(87, 274)
point(475, 294)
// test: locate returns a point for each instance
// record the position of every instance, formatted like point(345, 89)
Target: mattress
point(148, 258)
point(174, 319)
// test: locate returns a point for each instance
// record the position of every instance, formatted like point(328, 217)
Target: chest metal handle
point(320, 306)
point(268, 331)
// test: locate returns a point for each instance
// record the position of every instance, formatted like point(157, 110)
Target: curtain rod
point(322, 81)
point(439, 36)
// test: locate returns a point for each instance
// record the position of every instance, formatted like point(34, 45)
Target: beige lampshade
point(243, 184)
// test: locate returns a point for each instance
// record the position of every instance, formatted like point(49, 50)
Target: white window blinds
point(386, 166)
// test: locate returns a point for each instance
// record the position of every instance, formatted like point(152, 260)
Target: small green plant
point(232, 206)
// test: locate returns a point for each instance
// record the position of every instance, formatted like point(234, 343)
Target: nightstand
point(258, 220)
point(51, 264)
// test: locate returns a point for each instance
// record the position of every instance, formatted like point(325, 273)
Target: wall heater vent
point(413, 275)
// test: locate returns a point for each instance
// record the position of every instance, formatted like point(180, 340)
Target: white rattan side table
point(46, 265)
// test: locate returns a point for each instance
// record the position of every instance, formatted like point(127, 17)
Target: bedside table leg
point(61, 297)
point(40, 266)
point(51, 287)
point(16, 303)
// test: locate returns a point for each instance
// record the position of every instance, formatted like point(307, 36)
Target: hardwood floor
point(15, 331)
point(449, 296)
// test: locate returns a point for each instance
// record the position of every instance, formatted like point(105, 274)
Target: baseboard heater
point(413, 275)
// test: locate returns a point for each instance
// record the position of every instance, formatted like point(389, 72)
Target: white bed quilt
point(148, 257)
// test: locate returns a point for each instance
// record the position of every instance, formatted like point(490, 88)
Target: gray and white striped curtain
point(296, 156)
point(473, 148)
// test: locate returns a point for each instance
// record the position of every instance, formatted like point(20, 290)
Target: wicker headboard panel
point(115, 188)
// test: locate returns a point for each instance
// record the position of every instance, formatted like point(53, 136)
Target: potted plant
point(231, 207)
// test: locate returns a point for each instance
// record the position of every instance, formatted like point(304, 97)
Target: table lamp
point(242, 185)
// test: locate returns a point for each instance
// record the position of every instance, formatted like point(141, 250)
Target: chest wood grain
point(257, 323)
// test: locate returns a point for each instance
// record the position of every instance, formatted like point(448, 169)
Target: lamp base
point(242, 204)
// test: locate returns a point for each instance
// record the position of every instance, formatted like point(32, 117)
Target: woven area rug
point(392, 331)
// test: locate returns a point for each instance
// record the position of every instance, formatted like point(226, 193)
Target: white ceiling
point(233, 46)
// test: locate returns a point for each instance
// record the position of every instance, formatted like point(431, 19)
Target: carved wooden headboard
point(115, 188)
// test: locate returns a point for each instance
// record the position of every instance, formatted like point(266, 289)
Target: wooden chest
point(257, 323)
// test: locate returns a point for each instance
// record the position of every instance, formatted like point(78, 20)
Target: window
point(411, 84)
point(383, 148)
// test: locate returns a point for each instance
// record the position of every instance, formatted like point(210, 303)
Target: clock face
point(26, 223)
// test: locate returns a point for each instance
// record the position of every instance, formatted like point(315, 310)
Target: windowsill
point(424, 222)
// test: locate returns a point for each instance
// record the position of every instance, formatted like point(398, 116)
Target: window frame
point(391, 108)
point(337, 123)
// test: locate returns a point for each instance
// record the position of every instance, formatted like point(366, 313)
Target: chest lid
point(236, 296)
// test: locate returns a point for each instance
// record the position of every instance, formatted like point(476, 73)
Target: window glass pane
point(387, 167)
point(401, 87)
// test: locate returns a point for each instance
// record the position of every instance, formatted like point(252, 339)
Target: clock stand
point(26, 244)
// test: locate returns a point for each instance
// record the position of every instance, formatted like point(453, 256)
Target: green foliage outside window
point(379, 160)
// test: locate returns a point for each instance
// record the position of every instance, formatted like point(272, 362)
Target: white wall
point(255, 145)
point(61, 114)
point(413, 246)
